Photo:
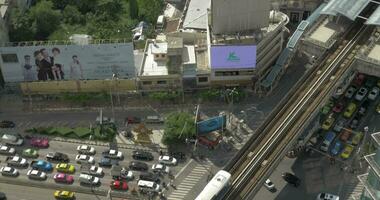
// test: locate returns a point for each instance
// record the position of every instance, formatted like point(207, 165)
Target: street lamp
point(230, 98)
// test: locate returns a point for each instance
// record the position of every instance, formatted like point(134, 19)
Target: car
point(378, 108)
point(119, 185)
point(328, 123)
point(12, 139)
point(142, 155)
point(167, 160)
point(16, 161)
point(345, 135)
point(8, 171)
point(373, 93)
point(346, 153)
point(65, 168)
point(160, 168)
point(86, 149)
point(351, 108)
point(63, 178)
point(119, 172)
point(5, 150)
point(7, 124)
point(361, 93)
point(132, 120)
point(338, 107)
point(337, 148)
point(339, 125)
point(138, 166)
point(328, 139)
point(81, 158)
point(327, 107)
point(64, 195)
point(363, 107)
point(269, 185)
point(36, 174)
point(107, 162)
point(370, 82)
point(39, 142)
point(3, 196)
point(327, 196)
point(357, 138)
point(88, 179)
point(92, 170)
point(350, 92)
point(57, 157)
point(148, 176)
point(113, 154)
point(292, 179)
point(41, 165)
point(30, 153)
point(359, 79)
point(210, 140)
point(154, 119)
point(355, 122)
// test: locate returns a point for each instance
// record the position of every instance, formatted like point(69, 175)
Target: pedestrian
point(160, 152)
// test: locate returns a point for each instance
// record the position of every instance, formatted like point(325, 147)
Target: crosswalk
point(196, 175)
point(354, 190)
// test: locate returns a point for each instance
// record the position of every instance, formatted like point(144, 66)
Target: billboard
point(67, 62)
point(212, 124)
point(233, 57)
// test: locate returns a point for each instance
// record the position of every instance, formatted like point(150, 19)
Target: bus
point(216, 186)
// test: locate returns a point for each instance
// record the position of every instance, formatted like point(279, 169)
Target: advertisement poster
point(233, 57)
point(212, 124)
point(67, 62)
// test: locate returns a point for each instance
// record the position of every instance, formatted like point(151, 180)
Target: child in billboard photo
point(47, 63)
point(76, 71)
point(57, 68)
point(27, 69)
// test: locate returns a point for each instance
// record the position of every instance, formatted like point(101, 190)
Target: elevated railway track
point(262, 153)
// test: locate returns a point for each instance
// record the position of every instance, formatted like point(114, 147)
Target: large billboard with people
point(233, 56)
point(212, 124)
point(67, 62)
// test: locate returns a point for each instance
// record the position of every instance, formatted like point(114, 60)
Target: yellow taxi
point(328, 123)
point(65, 168)
point(346, 153)
point(357, 138)
point(63, 194)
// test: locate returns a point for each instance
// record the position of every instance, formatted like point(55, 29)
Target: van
point(88, 179)
point(160, 22)
point(329, 137)
point(154, 119)
point(148, 186)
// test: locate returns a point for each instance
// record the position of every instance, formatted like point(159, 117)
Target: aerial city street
point(190, 100)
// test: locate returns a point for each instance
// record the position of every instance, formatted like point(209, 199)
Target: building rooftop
point(174, 42)
point(196, 14)
point(202, 62)
point(152, 67)
point(374, 19)
point(325, 31)
point(188, 56)
point(374, 53)
point(349, 8)
point(159, 48)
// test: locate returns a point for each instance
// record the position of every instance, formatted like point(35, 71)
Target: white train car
point(219, 182)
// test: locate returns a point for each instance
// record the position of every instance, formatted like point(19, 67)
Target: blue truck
point(42, 165)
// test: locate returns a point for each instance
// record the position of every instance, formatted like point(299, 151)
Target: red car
point(39, 142)
point(210, 139)
point(338, 107)
point(119, 185)
point(359, 79)
point(133, 120)
point(63, 178)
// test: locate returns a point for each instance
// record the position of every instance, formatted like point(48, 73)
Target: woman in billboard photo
point(47, 63)
point(27, 69)
point(76, 71)
point(57, 68)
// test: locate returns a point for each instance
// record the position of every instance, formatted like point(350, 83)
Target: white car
point(81, 158)
point(361, 93)
point(160, 168)
point(86, 149)
point(96, 171)
point(8, 171)
point(373, 93)
point(113, 154)
point(88, 179)
point(35, 174)
point(16, 161)
point(269, 184)
point(127, 174)
point(7, 150)
point(327, 196)
point(168, 160)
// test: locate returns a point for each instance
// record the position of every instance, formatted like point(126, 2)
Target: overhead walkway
point(270, 80)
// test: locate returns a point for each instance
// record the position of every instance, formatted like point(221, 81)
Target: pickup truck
point(41, 165)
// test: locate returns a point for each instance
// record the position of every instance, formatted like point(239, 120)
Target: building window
point(9, 58)
point(203, 79)
point(294, 17)
point(147, 82)
point(156, 55)
point(163, 55)
point(161, 82)
point(250, 72)
point(228, 73)
point(305, 15)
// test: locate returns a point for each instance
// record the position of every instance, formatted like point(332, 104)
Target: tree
point(46, 19)
point(178, 127)
point(150, 9)
point(110, 9)
point(86, 6)
point(61, 4)
point(133, 9)
point(71, 15)
point(21, 26)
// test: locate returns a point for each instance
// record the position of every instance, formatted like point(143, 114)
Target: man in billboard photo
point(41, 75)
point(27, 69)
point(57, 68)
point(47, 63)
point(76, 71)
